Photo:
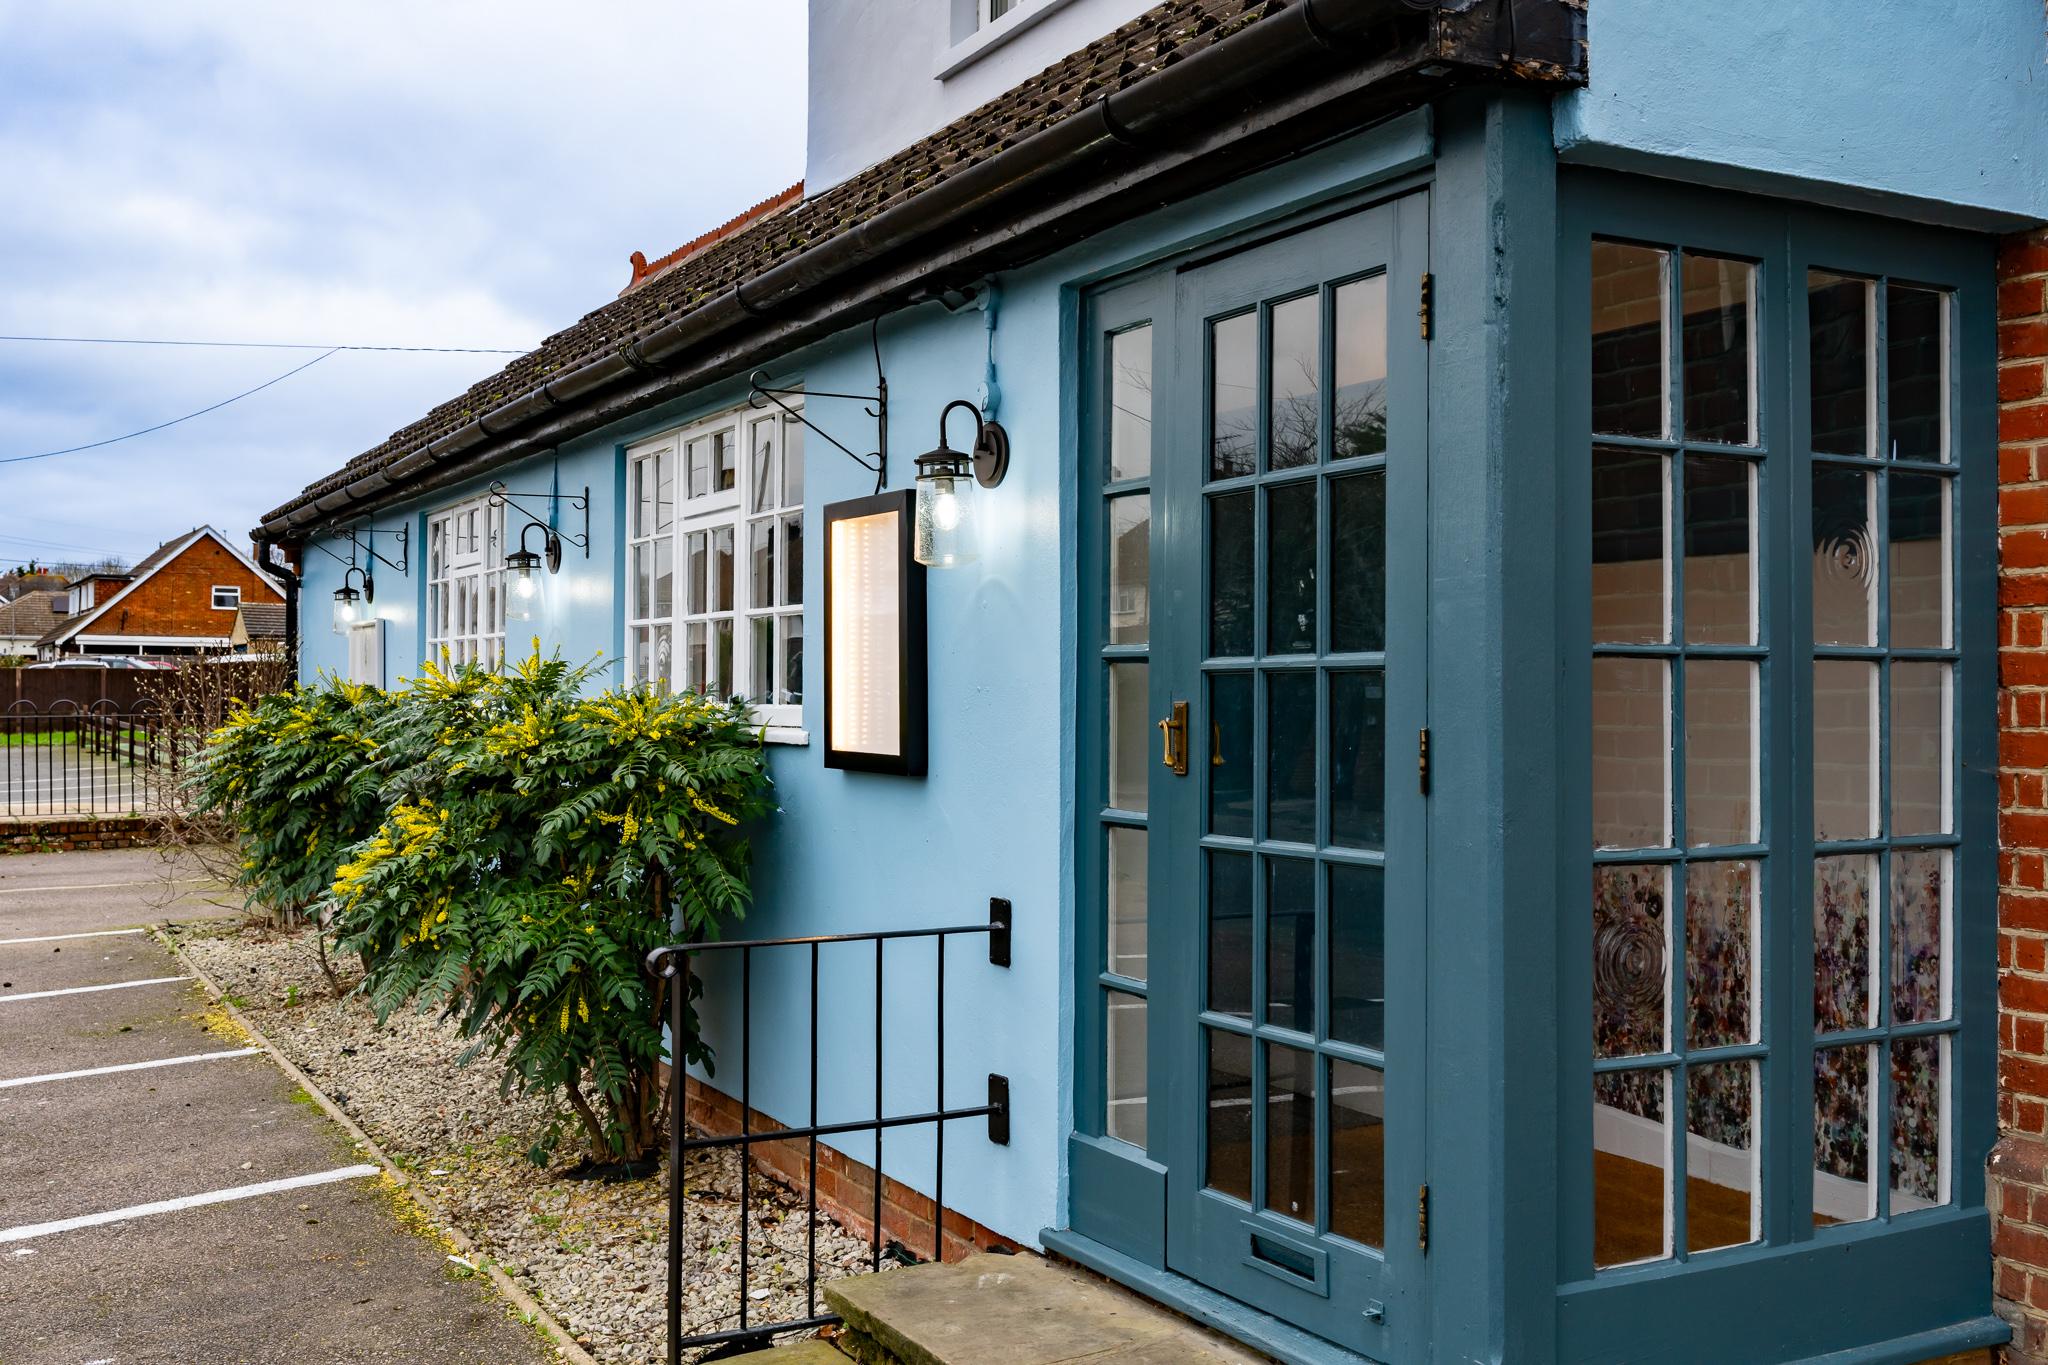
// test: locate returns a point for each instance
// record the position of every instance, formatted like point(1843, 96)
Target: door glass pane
point(1234, 395)
point(1230, 934)
point(1844, 749)
point(1916, 1124)
point(1716, 342)
point(1631, 580)
point(1231, 575)
point(1230, 754)
point(1842, 887)
point(1919, 748)
point(1720, 920)
point(1360, 412)
point(1842, 1190)
point(1631, 1167)
point(1630, 358)
point(1130, 404)
point(1720, 751)
point(1843, 361)
point(1124, 1068)
point(1844, 557)
point(1631, 754)
point(1918, 918)
point(1291, 943)
point(1917, 523)
point(1127, 903)
point(1631, 937)
point(1358, 1107)
point(1291, 1132)
point(1916, 385)
point(1130, 569)
point(1721, 1190)
point(1291, 756)
point(1229, 1128)
point(1296, 402)
point(1358, 759)
point(1130, 736)
point(1291, 569)
point(1358, 563)
point(1720, 572)
point(1358, 955)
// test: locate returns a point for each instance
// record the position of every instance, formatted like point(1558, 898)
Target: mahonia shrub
point(537, 840)
point(294, 774)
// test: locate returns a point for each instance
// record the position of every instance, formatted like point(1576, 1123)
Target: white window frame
point(466, 584)
point(698, 501)
point(234, 605)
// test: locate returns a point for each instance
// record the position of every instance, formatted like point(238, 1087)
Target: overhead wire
point(267, 345)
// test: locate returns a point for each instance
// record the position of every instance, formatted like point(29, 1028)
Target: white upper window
point(465, 584)
point(226, 598)
point(714, 561)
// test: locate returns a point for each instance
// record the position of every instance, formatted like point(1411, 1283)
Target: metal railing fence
point(72, 758)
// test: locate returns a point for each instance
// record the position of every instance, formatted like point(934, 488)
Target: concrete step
point(811, 1352)
point(1013, 1310)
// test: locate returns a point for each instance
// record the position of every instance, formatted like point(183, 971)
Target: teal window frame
point(1919, 1276)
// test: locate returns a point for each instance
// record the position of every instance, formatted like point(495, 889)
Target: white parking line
point(102, 886)
point(29, 1231)
point(83, 990)
point(65, 938)
point(131, 1066)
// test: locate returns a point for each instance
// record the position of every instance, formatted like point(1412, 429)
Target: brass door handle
point(1174, 733)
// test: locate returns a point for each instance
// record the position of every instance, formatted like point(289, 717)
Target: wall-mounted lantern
point(348, 602)
point(876, 711)
point(945, 484)
point(523, 602)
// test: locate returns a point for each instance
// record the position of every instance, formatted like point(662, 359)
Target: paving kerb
point(446, 1226)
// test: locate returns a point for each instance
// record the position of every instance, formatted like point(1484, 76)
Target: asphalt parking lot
point(166, 1195)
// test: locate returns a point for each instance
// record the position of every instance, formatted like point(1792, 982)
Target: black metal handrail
point(670, 964)
point(71, 758)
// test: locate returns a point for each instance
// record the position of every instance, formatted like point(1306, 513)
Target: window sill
point(786, 734)
point(974, 47)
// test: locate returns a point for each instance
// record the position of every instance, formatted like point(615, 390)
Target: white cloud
point(455, 173)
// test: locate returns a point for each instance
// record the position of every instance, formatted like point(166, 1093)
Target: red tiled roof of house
point(645, 270)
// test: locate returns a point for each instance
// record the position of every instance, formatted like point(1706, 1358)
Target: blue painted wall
point(1939, 101)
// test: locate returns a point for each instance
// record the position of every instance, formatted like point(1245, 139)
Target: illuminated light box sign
point(876, 712)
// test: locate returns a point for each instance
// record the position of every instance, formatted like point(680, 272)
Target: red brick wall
point(2018, 1190)
point(178, 598)
point(74, 833)
point(846, 1188)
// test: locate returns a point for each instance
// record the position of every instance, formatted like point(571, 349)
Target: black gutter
point(1412, 49)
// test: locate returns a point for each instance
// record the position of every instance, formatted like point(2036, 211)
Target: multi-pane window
point(226, 597)
point(1701, 860)
point(465, 584)
point(1678, 827)
point(1884, 661)
point(714, 561)
point(1127, 561)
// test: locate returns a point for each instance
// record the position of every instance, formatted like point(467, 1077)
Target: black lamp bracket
point(364, 539)
point(760, 394)
point(991, 450)
point(502, 496)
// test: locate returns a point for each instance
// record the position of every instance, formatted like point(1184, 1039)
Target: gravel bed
point(594, 1254)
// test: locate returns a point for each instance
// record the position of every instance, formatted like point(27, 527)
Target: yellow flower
point(583, 1009)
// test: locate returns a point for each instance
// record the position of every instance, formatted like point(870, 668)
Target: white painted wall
point(884, 73)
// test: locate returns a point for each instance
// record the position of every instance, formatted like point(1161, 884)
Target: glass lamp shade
point(522, 601)
point(348, 609)
point(944, 531)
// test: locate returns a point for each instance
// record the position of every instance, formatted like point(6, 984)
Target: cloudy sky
point(381, 172)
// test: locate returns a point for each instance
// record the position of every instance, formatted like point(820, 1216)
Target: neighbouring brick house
point(1503, 676)
point(182, 598)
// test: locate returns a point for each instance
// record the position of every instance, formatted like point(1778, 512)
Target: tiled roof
point(32, 613)
point(1164, 34)
point(645, 270)
point(263, 620)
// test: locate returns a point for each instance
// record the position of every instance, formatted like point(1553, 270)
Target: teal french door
point(1259, 848)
